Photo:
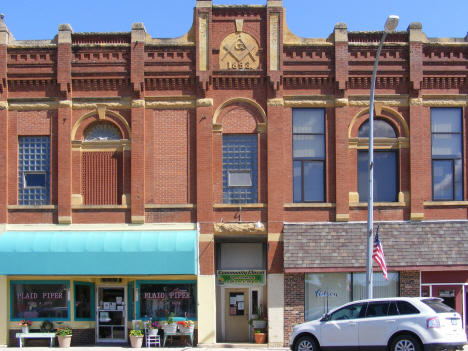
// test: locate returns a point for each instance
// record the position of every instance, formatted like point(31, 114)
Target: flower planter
point(136, 341)
point(259, 324)
point(64, 340)
point(170, 328)
point(186, 329)
point(25, 329)
point(153, 331)
point(260, 338)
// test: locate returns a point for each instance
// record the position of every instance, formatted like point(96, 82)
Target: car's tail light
point(433, 322)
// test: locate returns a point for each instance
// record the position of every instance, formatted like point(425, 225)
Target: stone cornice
point(309, 101)
point(447, 100)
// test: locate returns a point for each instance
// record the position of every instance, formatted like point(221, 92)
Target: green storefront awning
point(98, 253)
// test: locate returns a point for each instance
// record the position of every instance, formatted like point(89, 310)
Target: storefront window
point(40, 300)
point(326, 291)
point(157, 298)
point(84, 301)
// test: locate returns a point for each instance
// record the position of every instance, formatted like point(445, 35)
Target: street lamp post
point(390, 25)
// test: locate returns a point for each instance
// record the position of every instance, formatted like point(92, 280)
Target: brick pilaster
point(275, 169)
point(5, 37)
point(138, 124)
point(64, 125)
point(341, 123)
point(410, 283)
point(418, 166)
point(294, 301)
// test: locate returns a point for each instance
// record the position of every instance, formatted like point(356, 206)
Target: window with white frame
point(34, 170)
point(308, 155)
point(447, 162)
point(240, 169)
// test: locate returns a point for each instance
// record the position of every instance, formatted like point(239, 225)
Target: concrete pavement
point(235, 347)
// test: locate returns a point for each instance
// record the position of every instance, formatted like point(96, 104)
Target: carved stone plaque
point(239, 51)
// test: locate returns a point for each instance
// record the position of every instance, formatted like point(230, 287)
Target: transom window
point(102, 131)
point(447, 164)
point(34, 170)
point(385, 180)
point(240, 169)
point(382, 129)
point(308, 155)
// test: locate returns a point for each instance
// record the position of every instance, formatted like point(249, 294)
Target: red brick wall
point(294, 302)
point(171, 156)
point(410, 283)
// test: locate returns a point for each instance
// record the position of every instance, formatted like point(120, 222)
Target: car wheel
point(405, 343)
point(307, 343)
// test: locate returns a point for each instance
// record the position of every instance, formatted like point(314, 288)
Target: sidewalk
point(248, 347)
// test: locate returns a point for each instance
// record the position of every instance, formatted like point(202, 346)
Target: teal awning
point(98, 253)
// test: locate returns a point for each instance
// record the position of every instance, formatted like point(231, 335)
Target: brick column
point(138, 124)
point(64, 125)
point(294, 301)
point(410, 283)
point(417, 164)
point(5, 38)
point(341, 123)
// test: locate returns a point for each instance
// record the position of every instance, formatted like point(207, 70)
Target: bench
point(22, 336)
point(166, 334)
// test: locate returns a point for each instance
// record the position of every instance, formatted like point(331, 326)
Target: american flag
point(378, 254)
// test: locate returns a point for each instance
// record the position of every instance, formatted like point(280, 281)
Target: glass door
point(112, 314)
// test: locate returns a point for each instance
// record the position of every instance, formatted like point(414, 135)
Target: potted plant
point(260, 319)
point(169, 326)
point(260, 338)
point(136, 337)
point(153, 327)
point(25, 324)
point(186, 326)
point(64, 336)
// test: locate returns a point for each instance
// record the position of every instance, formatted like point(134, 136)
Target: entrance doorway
point(236, 307)
point(111, 319)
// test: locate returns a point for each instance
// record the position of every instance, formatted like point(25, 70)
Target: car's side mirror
point(325, 318)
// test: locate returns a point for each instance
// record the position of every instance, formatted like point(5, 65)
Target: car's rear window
point(438, 306)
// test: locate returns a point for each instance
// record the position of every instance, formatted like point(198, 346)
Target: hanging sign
point(241, 277)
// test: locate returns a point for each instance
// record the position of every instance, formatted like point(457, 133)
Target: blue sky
point(39, 19)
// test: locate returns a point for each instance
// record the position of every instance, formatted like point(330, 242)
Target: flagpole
point(390, 26)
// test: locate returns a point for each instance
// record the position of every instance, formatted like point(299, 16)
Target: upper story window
point(308, 155)
point(447, 163)
point(34, 170)
point(385, 178)
point(102, 131)
point(240, 169)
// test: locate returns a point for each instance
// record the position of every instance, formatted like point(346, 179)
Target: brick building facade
point(145, 174)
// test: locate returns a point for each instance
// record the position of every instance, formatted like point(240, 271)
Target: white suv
point(395, 324)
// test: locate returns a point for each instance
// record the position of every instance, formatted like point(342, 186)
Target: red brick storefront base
point(294, 299)
point(410, 283)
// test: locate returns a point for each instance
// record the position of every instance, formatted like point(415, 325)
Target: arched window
point(102, 131)
point(382, 129)
point(385, 164)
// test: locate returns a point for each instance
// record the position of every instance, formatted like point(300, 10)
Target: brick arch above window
point(83, 124)
point(239, 115)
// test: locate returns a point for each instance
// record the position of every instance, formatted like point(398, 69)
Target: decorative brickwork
point(294, 300)
point(410, 283)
